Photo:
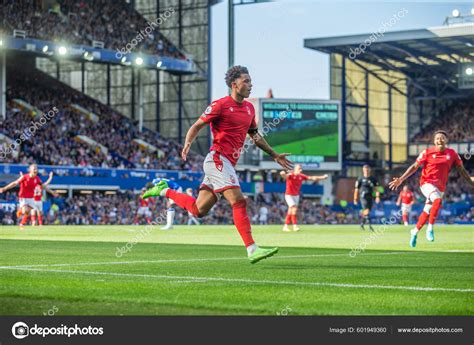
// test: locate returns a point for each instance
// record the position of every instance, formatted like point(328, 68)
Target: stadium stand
point(114, 140)
point(457, 120)
point(114, 23)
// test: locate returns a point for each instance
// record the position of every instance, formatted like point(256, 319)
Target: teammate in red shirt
point(27, 184)
point(37, 211)
point(231, 118)
point(294, 181)
point(144, 209)
point(407, 200)
point(436, 161)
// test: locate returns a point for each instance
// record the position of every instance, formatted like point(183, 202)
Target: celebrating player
point(27, 184)
point(231, 119)
point(436, 161)
point(294, 180)
point(406, 199)
point(365, 185)
point(37, 211)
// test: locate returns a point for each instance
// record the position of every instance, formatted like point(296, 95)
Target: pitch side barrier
point(127, 179)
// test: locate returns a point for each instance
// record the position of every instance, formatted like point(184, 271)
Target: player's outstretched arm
point(283, 174)
point(11, 185)
point(318, 178)
point(280, 158)
point(397, 181)
point(50, 178)
point(465, 175)
point(193, 131)
point(51, 191)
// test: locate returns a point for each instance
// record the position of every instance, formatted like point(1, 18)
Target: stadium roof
point(423, 55)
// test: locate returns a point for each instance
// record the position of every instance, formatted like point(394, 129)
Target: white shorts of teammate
point(292, 200)
point(431, 193)
point(219, 174)
point(39, 206)
point(144, 211)
point(27, 202)
point(406, 208)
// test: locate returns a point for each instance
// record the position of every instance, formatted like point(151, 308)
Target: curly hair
point(234, 73)
point(440, 131)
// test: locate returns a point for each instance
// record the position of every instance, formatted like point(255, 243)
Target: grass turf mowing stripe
point(190, 260)
point(247, 281)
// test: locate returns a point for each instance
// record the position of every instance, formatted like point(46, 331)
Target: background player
point(37, 211)
point(365, 186)
point(143, 210)
point(406, 199)
point(294, 180)
point(231, 118)
point(170, 211)
point(28, 183)
point(436, 161)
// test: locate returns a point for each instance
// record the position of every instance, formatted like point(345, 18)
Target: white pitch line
point(246, 281)
point(242, 258)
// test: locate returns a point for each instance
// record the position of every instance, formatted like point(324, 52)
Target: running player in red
point(294, 180)
point(436, 161)
point(407, 200)
point(27, 184)
point(143, 210)
point(231, 118)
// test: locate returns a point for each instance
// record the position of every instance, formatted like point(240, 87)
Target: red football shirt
point(407, 197)
point(294, 182)
point(436, 166)
point(28, 185)
point(38, 194)
point(230, 123)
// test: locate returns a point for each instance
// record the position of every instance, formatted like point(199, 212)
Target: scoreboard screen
point(309, 130)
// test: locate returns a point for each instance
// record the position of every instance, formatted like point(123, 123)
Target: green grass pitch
point(203, 270)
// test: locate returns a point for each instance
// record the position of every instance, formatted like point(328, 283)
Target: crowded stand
point(57, 142)
point(457, 120)
point(115, 23)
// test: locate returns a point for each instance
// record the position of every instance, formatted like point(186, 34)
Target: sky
point(269, 39)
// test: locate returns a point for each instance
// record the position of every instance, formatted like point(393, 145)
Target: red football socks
point(288, 219)
point(422, 220)
point(184, 201)
point(405, 218)
point(242, 222)
point(435, 210)
point(293, 219)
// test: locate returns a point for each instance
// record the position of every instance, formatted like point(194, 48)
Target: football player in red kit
point(231, 118)
point(294, 181)
point(436, 161)
point(407, 200)
point(28, 183)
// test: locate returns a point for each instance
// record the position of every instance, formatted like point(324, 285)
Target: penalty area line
point(245, 281)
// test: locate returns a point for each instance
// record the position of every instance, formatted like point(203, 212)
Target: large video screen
point(309, 130)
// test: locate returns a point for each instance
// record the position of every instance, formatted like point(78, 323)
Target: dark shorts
point(366, 203)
